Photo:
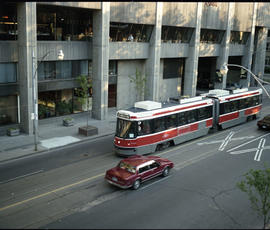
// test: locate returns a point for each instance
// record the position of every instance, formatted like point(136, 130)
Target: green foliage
point(140, 82)
point(85, 84)
point(43, 111)
point(63, 107)
point(257, 187)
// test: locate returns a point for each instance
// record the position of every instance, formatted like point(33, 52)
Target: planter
point(13, 132)
point(88, 130)
point(68, 121)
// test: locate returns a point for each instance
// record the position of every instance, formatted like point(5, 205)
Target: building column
point(100, 61)
point(259, 56)
point(247, 58)
point(27, 45)
point(153, 62)
point(225, 46)
point(191, 65)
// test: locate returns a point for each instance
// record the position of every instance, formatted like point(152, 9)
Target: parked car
point(264, 123)
point(132, 171)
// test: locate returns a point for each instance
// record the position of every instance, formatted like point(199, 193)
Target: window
point(127, 167)
point(211, 36)
point(268, 46)
point(239, 37)
point(121, 32)
point(182, 119)
point(204, 113)
point(144, 169)
point(171, 121)
point(159, 124)
point(8, 110)
point(8, 72)
point(154, 165)
point(173, 68)
point(8, 21)
point(125, 129)
point(176, 34)
point(64, 23)
point(145, 127)
point(191, 116)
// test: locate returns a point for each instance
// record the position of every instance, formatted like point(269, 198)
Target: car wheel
point(166, 172)
point(136, 184)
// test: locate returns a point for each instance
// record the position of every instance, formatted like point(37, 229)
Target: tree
point(256, 185)
point(140, 81)
point(83, 92)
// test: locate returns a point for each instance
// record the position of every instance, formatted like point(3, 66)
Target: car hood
point(119, 173)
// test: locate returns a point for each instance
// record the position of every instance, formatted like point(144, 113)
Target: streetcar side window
point(171, 121)
point(204, 113)
point(145, 127)
point(242, 104)
point(159, 124)
point(182, 119)
point(191, 116)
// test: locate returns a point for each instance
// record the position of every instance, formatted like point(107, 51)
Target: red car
point(132, 171)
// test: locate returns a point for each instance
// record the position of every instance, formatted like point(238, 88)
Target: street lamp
point(224, 69)
point(34, 115)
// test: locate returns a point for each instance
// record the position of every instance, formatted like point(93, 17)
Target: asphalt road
point(66, 188)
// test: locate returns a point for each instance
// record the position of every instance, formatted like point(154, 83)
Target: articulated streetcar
point(150, 126)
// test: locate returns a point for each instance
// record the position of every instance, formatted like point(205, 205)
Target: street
point(66, 188)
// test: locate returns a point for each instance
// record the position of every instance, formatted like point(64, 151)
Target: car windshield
point(127, 167)
point(125, 129)
point(267, 118)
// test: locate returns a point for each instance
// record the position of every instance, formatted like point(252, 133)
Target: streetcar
point(150, 126)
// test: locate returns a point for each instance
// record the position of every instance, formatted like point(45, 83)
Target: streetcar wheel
point(166, 172)
point(136, 184)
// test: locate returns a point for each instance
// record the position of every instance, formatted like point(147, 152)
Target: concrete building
point(130, 50)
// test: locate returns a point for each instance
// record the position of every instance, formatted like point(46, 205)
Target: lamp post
point(34, 115)
point(224, 69)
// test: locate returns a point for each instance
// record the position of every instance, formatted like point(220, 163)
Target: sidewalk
point(52, 134)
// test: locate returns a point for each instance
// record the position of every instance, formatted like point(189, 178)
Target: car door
point(155, 169)
point(145, 172)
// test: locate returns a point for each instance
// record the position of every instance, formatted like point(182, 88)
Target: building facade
point(130, 50)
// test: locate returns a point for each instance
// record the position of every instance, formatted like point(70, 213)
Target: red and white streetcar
point(150, 126)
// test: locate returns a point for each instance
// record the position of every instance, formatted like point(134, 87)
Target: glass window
point(173, 68)
point(8, 72)
point(182, 119)
point(8, 21)
point(191, 116)
point(64, 23)
point(125, 129)
point(171, 121)
point(8, 110)
point(127, 167)
point(211, 36)
point(176, 34)
point(46, 70)
point(112, 68)
point(123, 31)
point(159, 124)
point(239, 37)
point(144, 169)
point(145, 127)
point(204, 113)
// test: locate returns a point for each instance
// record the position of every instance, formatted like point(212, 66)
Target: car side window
point(144, 169)
point(154, 165)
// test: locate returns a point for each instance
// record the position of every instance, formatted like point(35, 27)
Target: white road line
point(15, 178)
point(210, 142)
point(226, 141)
point(248, 142)
point(259, 150)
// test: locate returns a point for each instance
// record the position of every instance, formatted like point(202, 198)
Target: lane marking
point(226, 141)
point(248, 142)
point(50, 192)
point(218, 141)
point(19, 177)
point(259, 150)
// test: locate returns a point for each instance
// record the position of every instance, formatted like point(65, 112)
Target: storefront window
point(123, 32)
point(64, 23)
point(176, 34)
point(211, 36)
point(8, 110)
point(8, 72)
point(8, 22)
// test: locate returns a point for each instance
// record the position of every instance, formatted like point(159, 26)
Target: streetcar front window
point(125, 129)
